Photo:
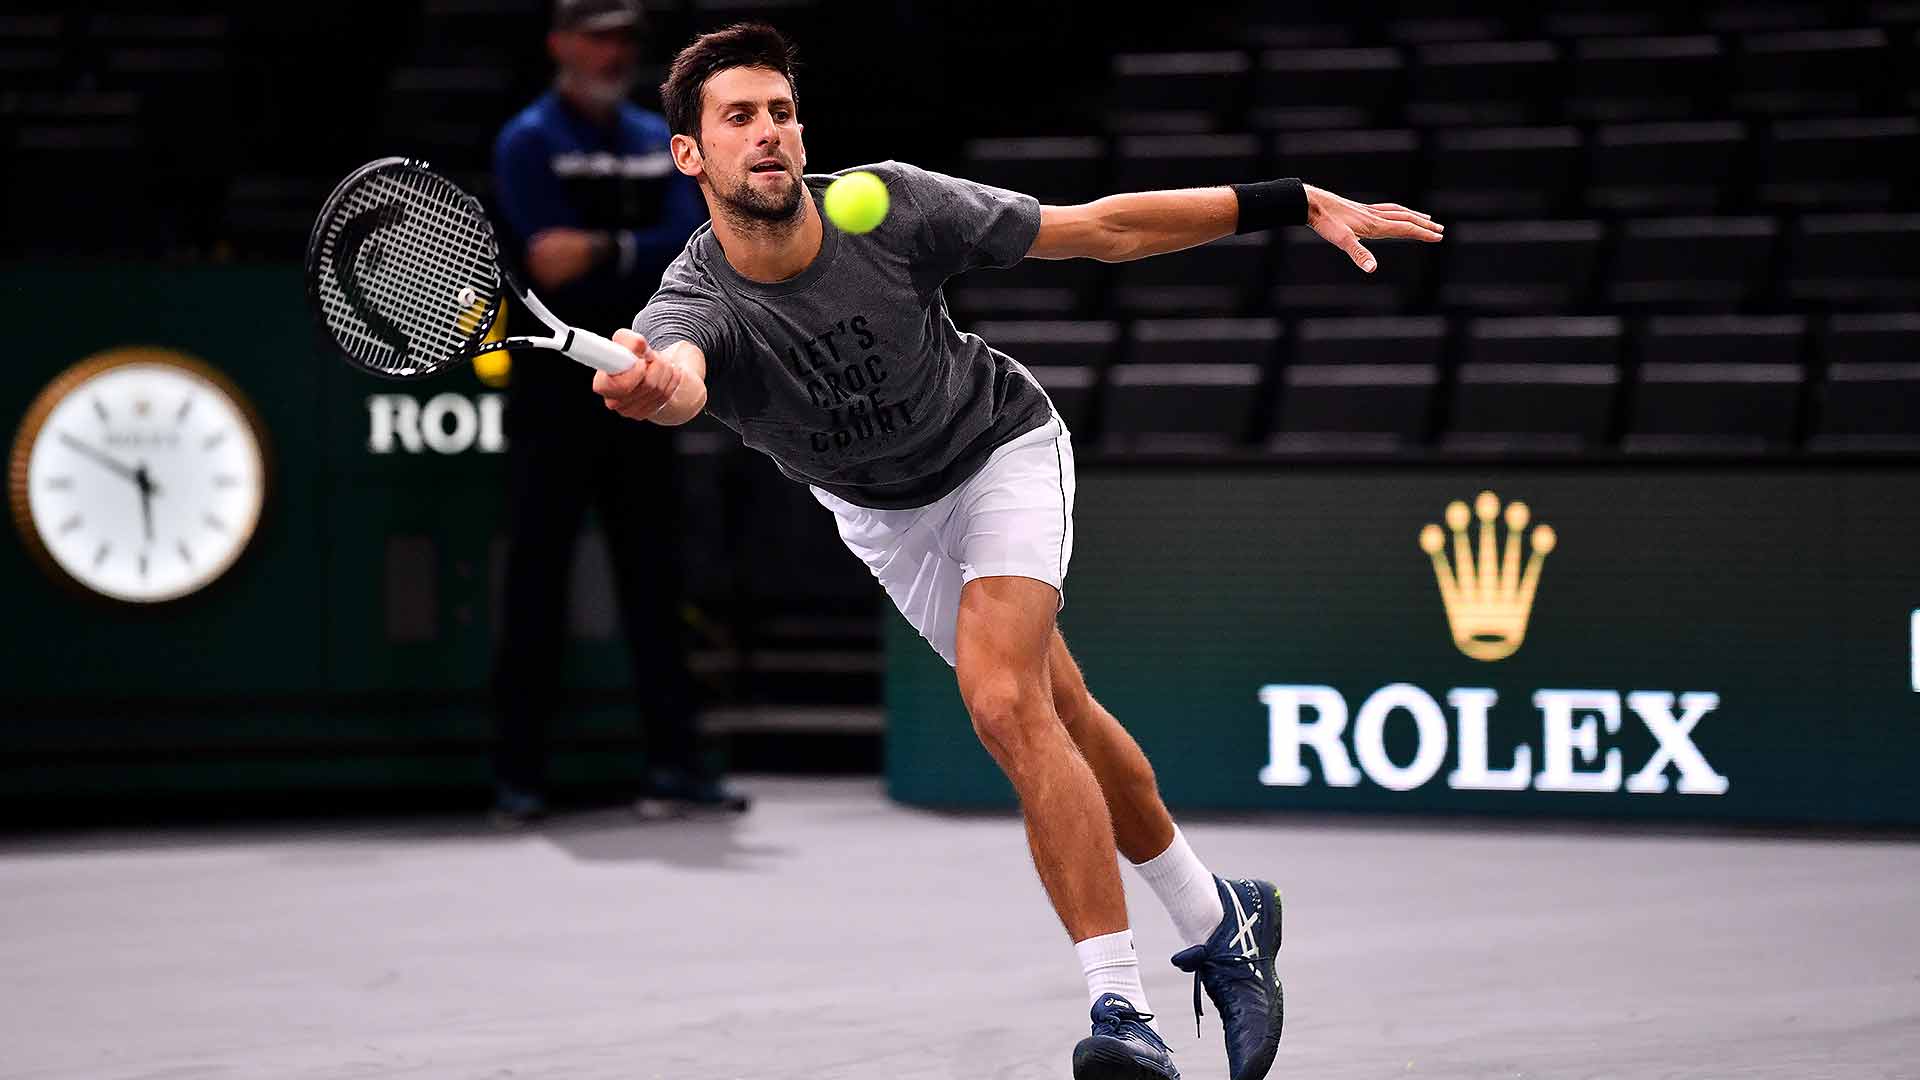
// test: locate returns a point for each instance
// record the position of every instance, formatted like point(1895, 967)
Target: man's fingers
point(1346, 241)
point(1383, 206)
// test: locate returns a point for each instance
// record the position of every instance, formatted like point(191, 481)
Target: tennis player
point(951, 476)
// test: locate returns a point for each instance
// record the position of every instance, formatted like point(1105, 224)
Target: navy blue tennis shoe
point(1122, 1046)
point(1235, 966)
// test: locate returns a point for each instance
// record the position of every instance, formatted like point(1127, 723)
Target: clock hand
point(100, 457)
point(147, 491)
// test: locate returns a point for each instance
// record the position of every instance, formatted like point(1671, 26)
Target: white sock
point(1112, 967)
point(1185, 888)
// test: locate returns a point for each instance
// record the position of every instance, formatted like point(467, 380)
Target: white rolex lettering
point(1285, 734)
point(1561, 736)
point(492, 438)
point(392, 416)
point(1655, 709)
point(433, 423)
point(1369, 736)
point(1470, 706)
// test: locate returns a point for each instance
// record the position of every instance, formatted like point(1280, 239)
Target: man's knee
point(1009, 715)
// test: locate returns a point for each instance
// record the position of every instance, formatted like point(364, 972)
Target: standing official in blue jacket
point(593, 210)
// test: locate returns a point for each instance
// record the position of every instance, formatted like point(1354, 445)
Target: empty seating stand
point(1367, 165)
point(1811, 71)
point(1179, 408)
point(1188, 385)
point(1839, 162)
point(1717, 263)
point(1664, 167)
point(1520, 266)
point(1360, 385)
point(1219, 278)
point(1869, 399)
point(1155, 162)
point(1502, 172)
point(1854, 259)
point(1720, 383)
point(1066, 357)
point(1325, 87)
point(1535, 385)
point(1483, 82)
point(1177, 91)
point(1646, 78)
point(1054, 170)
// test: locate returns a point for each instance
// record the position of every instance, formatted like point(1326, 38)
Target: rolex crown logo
point(1488, 599)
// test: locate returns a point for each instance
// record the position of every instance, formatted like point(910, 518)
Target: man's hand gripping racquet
point(404, 276)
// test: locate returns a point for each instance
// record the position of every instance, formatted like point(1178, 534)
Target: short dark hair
point(740, 45)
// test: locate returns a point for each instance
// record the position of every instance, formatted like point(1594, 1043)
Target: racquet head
point(403, 271)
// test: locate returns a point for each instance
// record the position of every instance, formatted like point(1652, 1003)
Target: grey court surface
point(831, 934)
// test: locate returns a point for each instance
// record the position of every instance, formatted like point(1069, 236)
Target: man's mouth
point(769, 165)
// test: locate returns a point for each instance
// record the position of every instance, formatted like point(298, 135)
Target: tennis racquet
point(404, 277)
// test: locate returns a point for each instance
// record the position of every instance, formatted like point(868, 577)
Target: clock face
point(144, 478)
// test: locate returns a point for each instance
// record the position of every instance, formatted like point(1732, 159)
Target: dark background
point(1681, 257)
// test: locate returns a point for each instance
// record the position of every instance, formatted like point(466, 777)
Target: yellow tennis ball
point(856, 202)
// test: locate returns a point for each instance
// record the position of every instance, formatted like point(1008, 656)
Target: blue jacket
point(553, 167)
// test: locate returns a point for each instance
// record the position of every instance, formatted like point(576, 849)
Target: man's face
point(596, 58)
point(750, 148)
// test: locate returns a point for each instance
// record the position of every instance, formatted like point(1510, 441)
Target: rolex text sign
point(1660, 641)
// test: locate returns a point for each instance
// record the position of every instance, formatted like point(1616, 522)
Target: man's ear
point(686, 155)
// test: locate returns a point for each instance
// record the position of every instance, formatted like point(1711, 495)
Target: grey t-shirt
point(851, 375)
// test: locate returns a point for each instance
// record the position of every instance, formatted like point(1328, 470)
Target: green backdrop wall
point(1226, 615)
point(350, 646)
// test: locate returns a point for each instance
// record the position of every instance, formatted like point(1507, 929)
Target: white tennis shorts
point(1013, 518)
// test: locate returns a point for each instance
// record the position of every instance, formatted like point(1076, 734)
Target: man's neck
point(770, 252)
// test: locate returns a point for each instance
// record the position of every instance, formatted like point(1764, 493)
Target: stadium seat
point(1807, 71)
point(1580, 22)
point(451, 111)
point(1086, 343)
point(1841, 163)
point(1717, 383)
point(1358, 385)
point(1324, 87)
point(1073, 389)
point(1691, 262)
point(1424, 29)
point(1219, 278)
point(1663, 167)
point(1054, 170)
point(1560, 339)
point(1520, 265)
point(1646, 78)
point(1367, 166)
point(1482, 82)
point(1156, 162)
point(1536, 405)
point(1316, 277)
point(1203, 341)
point(1176, 91)
point(1502, 172)
point(1854, 258)
point(1031, 288)
point(1179, 408)
point(1870, 397)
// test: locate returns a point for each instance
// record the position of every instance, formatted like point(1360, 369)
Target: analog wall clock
point(139, 475)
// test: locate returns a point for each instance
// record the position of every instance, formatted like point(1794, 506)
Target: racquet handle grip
point(597, 352)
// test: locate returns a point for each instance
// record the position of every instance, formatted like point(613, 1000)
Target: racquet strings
point(407, 273)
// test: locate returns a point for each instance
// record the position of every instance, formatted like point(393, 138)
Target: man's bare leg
point(1193, 897)
point(1002, 651)
point(1141, 825)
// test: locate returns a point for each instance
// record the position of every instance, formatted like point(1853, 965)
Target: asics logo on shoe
point(1243, 937)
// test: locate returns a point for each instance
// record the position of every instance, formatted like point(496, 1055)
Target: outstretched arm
point(1120, 228)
